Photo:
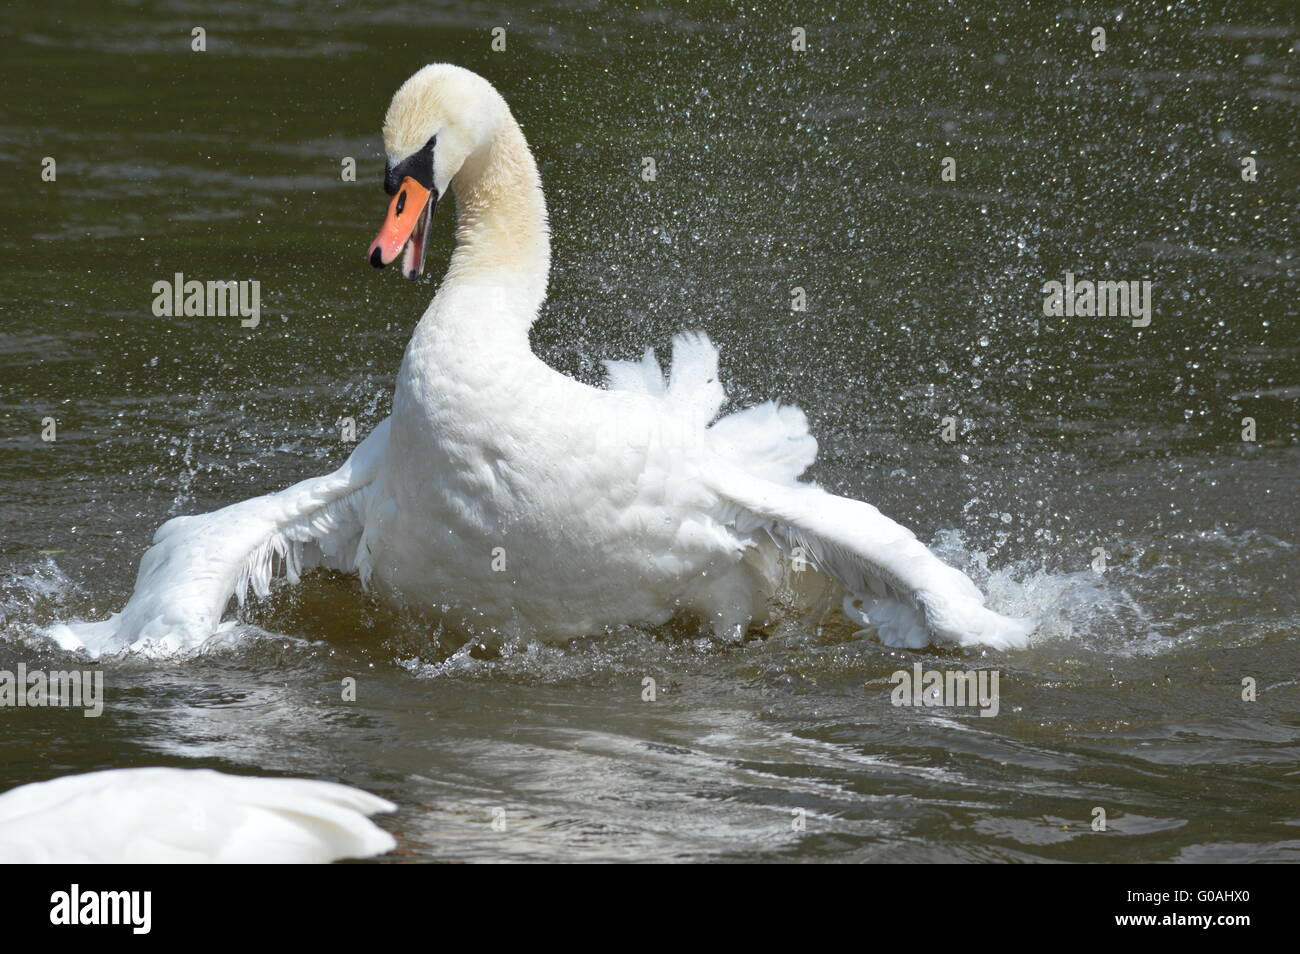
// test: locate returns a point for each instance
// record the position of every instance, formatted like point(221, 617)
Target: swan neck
point(502, 236)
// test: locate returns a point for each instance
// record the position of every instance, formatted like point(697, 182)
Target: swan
point(175, 816)
point(502, 497)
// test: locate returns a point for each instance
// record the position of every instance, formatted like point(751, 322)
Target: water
point(774, 170)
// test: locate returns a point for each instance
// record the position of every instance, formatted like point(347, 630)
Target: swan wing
point(894, 583)
point(168, 815)
point(197, 563)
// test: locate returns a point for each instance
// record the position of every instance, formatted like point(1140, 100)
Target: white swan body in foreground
point(175, 816)
point(502, 496)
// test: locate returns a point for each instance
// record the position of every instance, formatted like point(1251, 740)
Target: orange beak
point(405, 229)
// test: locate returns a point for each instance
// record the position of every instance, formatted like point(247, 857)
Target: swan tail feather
point(692, 390)
point(636, 377)
point(768, 440)
point(894, 584)
point(197, 564)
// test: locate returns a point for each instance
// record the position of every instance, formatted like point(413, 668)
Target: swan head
point(438, 120)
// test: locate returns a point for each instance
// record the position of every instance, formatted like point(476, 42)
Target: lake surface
point(775, 169)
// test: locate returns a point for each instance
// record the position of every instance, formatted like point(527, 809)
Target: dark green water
point(774, 169)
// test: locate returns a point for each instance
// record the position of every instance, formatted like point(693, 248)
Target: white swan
point(177, 816)
point(502, 496)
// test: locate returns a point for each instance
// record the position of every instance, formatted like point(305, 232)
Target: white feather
point(768, 440)
point(179, 816)
point(895, 585)
point(198, 563)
